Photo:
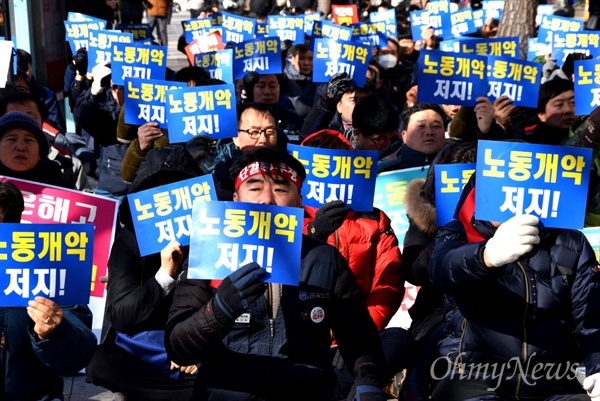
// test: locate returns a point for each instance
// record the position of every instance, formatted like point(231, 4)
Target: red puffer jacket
point(367, 241)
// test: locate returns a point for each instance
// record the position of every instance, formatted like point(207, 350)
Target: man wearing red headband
point(259, 341)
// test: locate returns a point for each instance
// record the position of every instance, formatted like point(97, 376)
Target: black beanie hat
point(16, 119)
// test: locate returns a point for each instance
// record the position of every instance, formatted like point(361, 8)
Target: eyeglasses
point(255, 133)
point(379, 138)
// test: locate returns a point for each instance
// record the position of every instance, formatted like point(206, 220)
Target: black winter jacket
point(542, 309)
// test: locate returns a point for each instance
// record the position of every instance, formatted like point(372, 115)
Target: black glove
point(285, 45)
point(80, 59)
point(338, 361)
point(249, 80)
point(328, 219)
point(238, 291)
point(336, 87)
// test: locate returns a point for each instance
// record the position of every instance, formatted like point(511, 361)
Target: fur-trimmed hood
point(420, 211)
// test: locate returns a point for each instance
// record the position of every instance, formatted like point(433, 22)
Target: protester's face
point(373, 142)
point(28, 107)
point(450, 109)
point(425, 132)
point(391, 49)
point(253, 120)
point(560, 110)
point(346, 104)
point(407, 46)
point(303, 62)
point(267, 89)
point(269, 190)
point(19, 150)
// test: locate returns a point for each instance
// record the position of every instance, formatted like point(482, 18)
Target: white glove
point(512, 239)
point(98, 73)
point(591, 384)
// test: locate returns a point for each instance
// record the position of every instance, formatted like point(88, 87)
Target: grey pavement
point(76, 388)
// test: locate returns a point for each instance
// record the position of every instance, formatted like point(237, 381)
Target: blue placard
point(77, 33)
point(548, 181)
point(419, 21)
point(479, 18)
point(228, 235)
point(439, 18)
point(373, 33)
point(449, 78)
point(390, 188)
point(332, 56)
point(259, 55)
point(79, 17)
point(587, 86)
point(145, 100)
point(346, 175)
point(309, 20)
point(463, 22)
point(136, 60)
point(237, 29)
point(581, 42)
point(450, 180)
point(49, 260)
point(387, 16)
point(140, 32)
point(287, 27)
point(500, 47)
point(216, 19)
point(552, 24)
point(101, 46)
point(218, 63)
point(262, 30)
point(493, 9)
point(164, 214)
point(517, 79)
point(195, 28)
point(543, 9)
point(535, 49)
point(327, 29)
point(207, 110)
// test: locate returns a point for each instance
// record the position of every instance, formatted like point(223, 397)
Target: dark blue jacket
point(30, 369)
point(542, 309)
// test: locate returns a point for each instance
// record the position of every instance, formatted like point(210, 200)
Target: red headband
point(257, 168)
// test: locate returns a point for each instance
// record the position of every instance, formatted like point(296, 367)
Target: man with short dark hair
point(281, 351)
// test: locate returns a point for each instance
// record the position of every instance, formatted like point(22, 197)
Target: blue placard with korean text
point(136, 60)
point(79, 17)
point(587, 42)
point(77, 33)
point(48, 260)
point(201, 110)
point(390, 188)
point(216, 19)
point(388, 16)
point(519, 80)
point(500, 47)
point(419, 21)
point(543, 9)
point(439, 18)
point(145, 100)
point(287, 27)
point(259, 55)
point(450, 180)
point(332, 56)
point(370, 32)
point(309, 20)
point(228, 235)
point(449, 78)
point(463, 22)
point(535, 49)
point(164, 214)
point(327, 29)
point(101, 44)
point(552, 24)
point(262, 30)
point(346, 175)
point(195, 28)
point(548, 181)
point(219, 64)
point(237, 29)
point(140, 32)
point(493, 9)
point(587, 86)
